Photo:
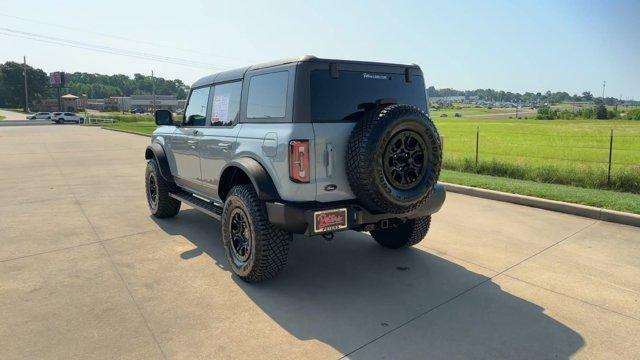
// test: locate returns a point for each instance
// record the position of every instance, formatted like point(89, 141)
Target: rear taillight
point(299, 160)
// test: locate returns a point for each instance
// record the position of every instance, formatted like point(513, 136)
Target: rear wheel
point(255, 249)
point(157, 188)
point(402, 233)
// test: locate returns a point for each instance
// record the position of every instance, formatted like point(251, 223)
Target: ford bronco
point(300, 146)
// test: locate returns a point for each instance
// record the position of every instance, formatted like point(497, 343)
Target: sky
point(515, 46)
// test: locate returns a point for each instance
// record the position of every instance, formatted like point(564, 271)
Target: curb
point(553, 205)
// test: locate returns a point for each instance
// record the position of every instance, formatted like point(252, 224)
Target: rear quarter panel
point(268, 143)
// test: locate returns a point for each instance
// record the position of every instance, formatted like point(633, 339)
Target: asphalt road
point(85, 272)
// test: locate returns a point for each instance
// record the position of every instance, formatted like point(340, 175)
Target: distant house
point(69, 102)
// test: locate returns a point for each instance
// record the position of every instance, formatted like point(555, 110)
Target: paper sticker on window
point(220, 113)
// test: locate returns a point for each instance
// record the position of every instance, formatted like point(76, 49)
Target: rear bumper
point(298, 217)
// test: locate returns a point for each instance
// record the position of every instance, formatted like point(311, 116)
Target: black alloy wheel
point(405, 160)
point(240, 236)
point(152, 192)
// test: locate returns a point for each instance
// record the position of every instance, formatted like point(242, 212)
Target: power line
point(108, 49)
point(138, 41)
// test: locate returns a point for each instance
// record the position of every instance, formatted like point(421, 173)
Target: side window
point(196, 112)
point(268, 95)
point(226, 104)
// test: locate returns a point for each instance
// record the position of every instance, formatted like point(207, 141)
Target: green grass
point(600, 198)
point(144, 127)
point(570, 152)
point(1, 117)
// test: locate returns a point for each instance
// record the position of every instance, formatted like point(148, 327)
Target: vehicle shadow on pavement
point(350, 291)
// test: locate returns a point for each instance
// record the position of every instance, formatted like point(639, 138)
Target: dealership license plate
point(330, 220)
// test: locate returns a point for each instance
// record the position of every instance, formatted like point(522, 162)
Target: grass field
point(570, 152)
point(145, 127)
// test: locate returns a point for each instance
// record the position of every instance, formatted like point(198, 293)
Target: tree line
point(527, 97)
point(103, 86)
point(93, 85)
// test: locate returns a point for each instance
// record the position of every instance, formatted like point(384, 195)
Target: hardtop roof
point(236, 74)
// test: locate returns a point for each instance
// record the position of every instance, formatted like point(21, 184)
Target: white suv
point(40, 115)
point(62, 117)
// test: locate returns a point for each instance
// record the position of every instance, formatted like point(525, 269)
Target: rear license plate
point(329, 220)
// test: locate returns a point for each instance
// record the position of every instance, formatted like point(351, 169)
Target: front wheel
point(402, 233)
point(255, 249)
point(157, 188)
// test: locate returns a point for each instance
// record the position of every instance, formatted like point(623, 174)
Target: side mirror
point(163, 117)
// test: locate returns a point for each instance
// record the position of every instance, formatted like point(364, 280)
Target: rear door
point(218, 140)
point(184, 140)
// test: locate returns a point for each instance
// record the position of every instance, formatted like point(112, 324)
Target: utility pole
point(604, 83)
point(26, 92)
point(153, 90)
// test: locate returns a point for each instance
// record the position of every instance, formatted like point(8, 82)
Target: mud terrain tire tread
point(167, 206)
point(271, 244)
point(360, 168)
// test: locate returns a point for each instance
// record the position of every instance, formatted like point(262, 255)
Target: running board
point(206, 207)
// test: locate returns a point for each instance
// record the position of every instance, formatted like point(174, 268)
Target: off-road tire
point(165, 206)
point(269, 245)
point(366, 150)
point(403, 234)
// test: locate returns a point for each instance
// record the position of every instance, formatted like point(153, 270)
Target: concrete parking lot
point(85, 272)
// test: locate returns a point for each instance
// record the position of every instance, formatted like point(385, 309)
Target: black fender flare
point(257, 174)
point(156, 151)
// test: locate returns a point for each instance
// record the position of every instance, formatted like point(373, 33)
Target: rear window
point(348, 96)
point(267, 95)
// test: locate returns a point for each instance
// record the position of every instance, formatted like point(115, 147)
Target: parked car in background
point(40, 115)
point(137, 111)
point(62, 117)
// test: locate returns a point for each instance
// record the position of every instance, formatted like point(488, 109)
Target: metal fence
point(608, 156)
point(95, 120)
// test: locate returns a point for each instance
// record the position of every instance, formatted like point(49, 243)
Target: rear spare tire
point(394, 157)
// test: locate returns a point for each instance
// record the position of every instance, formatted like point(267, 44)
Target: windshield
point(353, 92)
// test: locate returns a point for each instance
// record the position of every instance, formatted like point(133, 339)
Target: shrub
point(601, 112)
point(547, 113)
point(633, 114)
